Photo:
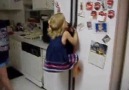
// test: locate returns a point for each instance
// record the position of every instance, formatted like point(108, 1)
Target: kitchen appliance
point(32, 63)
point(44, 27)
point(101, 27)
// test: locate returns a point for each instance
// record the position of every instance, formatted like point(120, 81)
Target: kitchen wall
point(21, 15)
point(125, 76)
point(15, 16)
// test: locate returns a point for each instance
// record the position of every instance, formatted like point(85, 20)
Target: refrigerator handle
point(71, 12)
point(75, 13)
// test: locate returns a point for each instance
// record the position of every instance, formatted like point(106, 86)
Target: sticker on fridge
point(104, 4)
point(97, 54)
point(111, 14)
point(81, 5)
point(106, 39)
point(89, 6)
point(81, 14)
point(89, 25)
point(97, 5)
point(101, 27)
point(80, 26)
point(110, 4)
point(94, 14)
point(57, 7)
point(102, 16)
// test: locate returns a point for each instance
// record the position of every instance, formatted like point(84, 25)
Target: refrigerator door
point(96, 66)
point(59, 81)
point(63, 6)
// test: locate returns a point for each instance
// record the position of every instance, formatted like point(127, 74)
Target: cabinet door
point(14, 54)
point(4, 4)
point(11, 51)
point(39, 4)
point(17, 53)
point(16, 4)
point(50, 4)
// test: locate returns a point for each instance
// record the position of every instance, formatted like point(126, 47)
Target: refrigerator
point(101, 27)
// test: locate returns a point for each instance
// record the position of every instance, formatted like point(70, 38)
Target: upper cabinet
point(43, 4)
point(50, 4)
point(11, 4)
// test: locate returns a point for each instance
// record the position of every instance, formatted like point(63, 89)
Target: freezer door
point(64, 6)
point(56, 81)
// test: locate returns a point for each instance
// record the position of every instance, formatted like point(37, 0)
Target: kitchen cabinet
point(28, 56)
point(11, 4)
point(14, 54)
point(50, 4)
point(4, 4)
point(43, 4)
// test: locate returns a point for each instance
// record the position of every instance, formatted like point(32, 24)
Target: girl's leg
point(76, 70)
point(4, 79)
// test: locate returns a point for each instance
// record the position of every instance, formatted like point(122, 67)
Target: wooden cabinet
point(11, 4)
point(14, 54)
point(43, 4)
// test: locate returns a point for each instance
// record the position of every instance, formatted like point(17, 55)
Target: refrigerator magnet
point(102, 16)
point(101, 27)
point(89, 25)
point(81, 5)
point(94, 14)
point(57, 7)
point(89, 6)
point(111, 14)
point(110, 3)
point(104, 4)
point(97, 5)
point(106, 39)
point(80, 26)
point(81, 14)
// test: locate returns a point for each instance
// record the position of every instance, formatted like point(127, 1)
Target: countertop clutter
point(22, 37)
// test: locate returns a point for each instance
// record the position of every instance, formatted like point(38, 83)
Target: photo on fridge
point(101, 27)
point(97, 54)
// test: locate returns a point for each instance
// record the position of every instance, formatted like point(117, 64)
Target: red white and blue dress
point(59, 57)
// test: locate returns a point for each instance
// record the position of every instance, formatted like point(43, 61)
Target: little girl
point(60, 54)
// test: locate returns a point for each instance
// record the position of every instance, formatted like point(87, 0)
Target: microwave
point(44, 27)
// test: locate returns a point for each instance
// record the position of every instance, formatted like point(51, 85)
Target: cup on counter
point(40, 36)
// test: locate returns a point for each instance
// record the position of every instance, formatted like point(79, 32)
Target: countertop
point(35, 42)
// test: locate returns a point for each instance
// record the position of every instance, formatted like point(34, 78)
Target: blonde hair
point(56, 25)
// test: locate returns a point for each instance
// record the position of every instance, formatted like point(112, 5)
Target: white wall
point(125, 78)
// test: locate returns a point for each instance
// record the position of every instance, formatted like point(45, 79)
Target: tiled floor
point(21, 83)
